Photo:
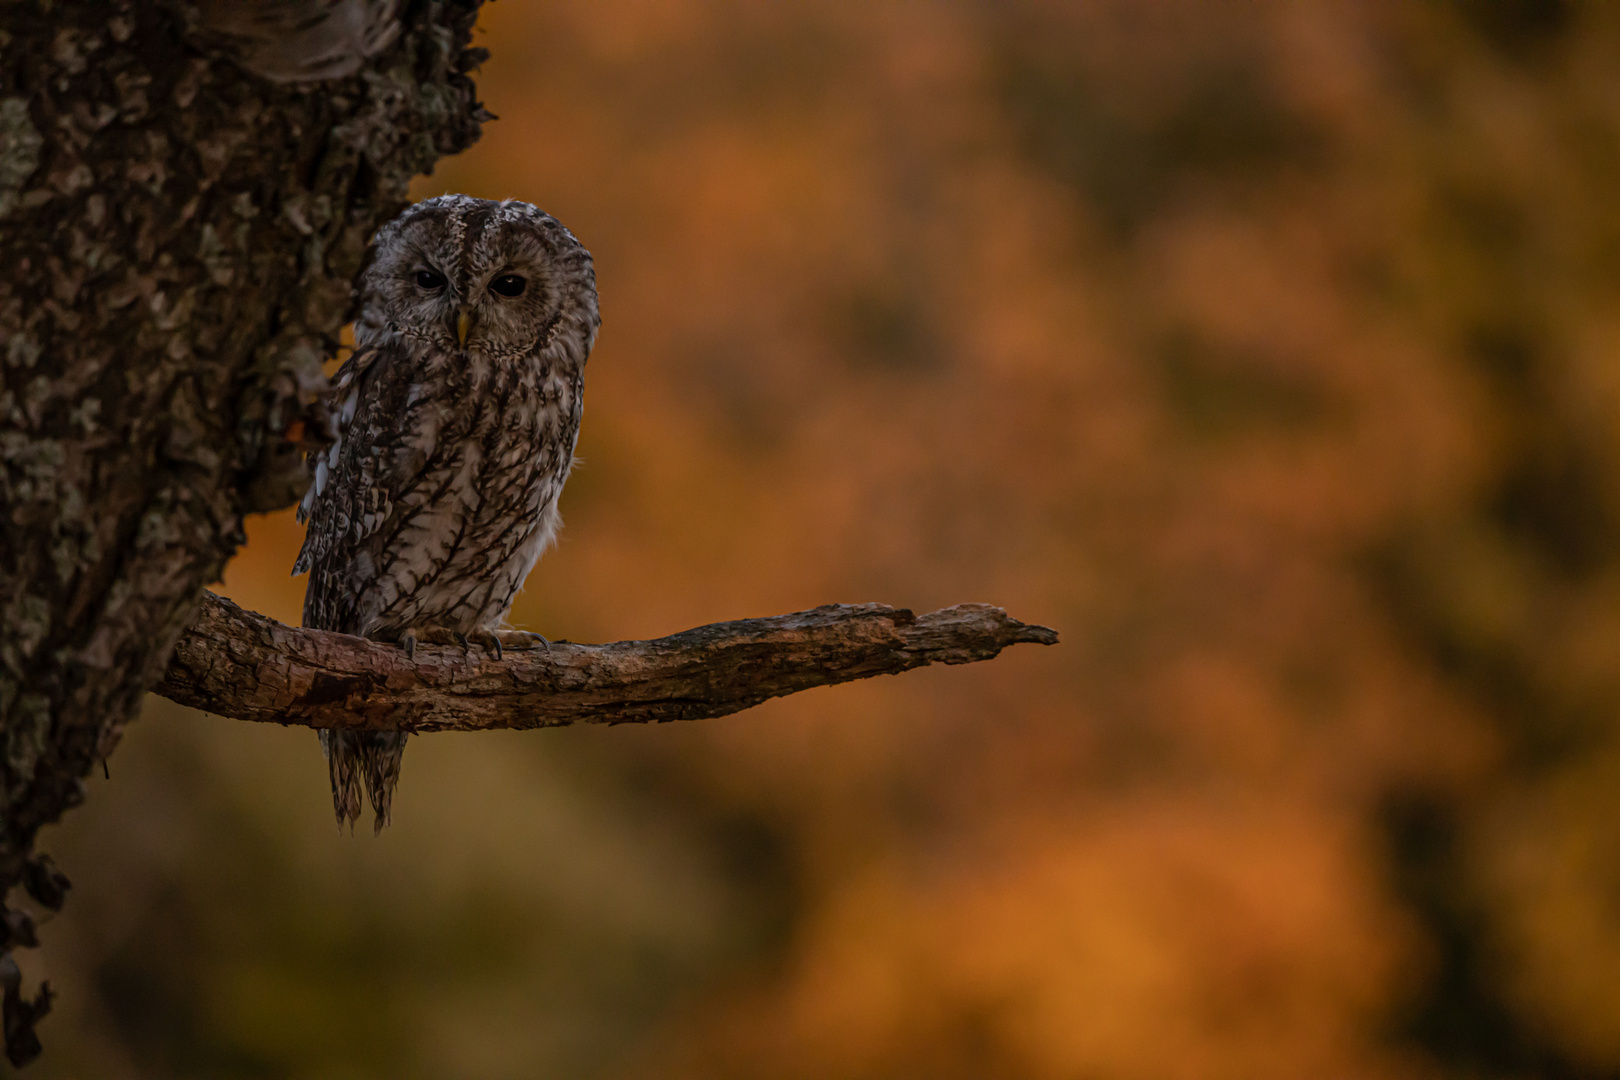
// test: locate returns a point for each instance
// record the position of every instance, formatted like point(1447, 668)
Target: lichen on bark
point(180, 234)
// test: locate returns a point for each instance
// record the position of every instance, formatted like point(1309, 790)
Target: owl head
point(499, 280)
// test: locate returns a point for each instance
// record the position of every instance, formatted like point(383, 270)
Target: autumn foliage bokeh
point(1269, 351)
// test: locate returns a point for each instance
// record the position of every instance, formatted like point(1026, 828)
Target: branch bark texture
point(243, 665)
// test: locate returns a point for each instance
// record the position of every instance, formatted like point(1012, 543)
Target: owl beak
point(463, 324)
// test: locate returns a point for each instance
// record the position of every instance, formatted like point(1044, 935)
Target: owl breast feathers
point(457, 416)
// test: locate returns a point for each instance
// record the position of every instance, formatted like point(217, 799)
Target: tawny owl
point(457, 415)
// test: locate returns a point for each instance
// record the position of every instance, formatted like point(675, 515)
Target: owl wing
point(357, 499)
point(341, 479)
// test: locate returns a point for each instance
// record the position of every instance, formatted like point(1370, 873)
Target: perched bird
point(456, 417)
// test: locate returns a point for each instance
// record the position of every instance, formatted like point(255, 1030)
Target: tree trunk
point(186, 192)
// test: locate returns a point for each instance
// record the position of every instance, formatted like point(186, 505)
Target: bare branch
point(243, 665)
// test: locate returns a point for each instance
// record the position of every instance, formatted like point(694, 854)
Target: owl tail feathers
point(369, 757)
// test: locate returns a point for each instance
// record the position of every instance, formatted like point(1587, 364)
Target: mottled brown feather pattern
point(440, 490)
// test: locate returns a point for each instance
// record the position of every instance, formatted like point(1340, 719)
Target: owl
point(455, 422)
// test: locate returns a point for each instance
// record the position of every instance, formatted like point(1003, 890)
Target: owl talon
point(432, 635)
point(489, 640)
point(523, 639)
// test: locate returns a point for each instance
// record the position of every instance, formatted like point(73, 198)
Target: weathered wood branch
point(243, 665)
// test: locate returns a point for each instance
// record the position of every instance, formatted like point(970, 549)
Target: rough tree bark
point(186, 191)
point(185, 195)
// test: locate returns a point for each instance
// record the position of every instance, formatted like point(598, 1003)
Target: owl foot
point(519, 639)
point(498, 641)
point(489, 640)
point(432, 635)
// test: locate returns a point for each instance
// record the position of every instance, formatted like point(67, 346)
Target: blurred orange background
point(1267, 350)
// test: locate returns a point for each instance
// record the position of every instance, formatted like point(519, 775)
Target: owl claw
point(433, 635)
point(494, 642)
point(523, 639)
point(489, 640)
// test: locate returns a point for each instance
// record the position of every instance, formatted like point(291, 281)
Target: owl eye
point(508, 285)
point(427, 279)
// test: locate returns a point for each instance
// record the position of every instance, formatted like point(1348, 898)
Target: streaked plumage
point(440, 492)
